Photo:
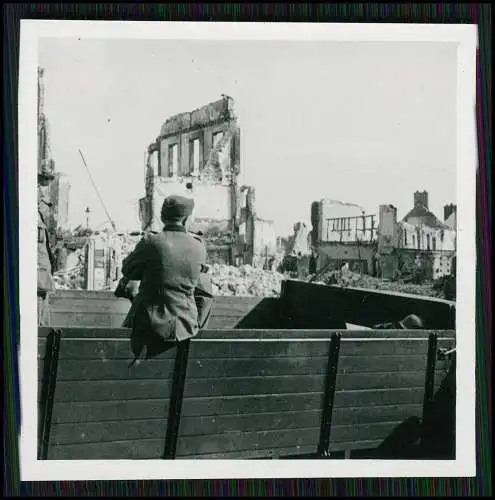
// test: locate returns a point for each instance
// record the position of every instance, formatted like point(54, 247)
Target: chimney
point(448, 210)
point(387, 228)
point(421, 198)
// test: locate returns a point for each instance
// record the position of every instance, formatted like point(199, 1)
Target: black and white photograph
point(252, 244)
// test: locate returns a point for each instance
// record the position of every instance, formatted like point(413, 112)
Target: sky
point(361, 122)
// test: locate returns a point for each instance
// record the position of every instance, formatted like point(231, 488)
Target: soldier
point(45, 256)
point(168, 265)
point(203, 293)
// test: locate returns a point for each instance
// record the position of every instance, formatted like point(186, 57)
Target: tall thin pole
point(97, 192)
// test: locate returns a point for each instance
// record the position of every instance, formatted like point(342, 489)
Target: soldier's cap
point(411, 322)
point(176, 207)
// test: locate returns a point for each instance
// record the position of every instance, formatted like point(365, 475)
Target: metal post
point(176, 398)
point(430, 375)
point(50, 370)
point(329, 395)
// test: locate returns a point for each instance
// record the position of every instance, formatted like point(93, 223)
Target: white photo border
point(72, 470)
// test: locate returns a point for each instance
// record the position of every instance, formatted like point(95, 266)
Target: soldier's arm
point(134, 264)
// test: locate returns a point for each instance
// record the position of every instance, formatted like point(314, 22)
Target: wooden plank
point(350, 433)
point(71, 319)
point(223, 322)
point(205, 406)
point(273, 453)
point(379, 397)
point(139, 449)
point(73, 349)
point(151, 449)
point(104, 411)
point(93, 306)
point(114, 369)
point(103, 333)
point(82, 294)
point(246, 367)
point(365, 364)
point(259, 334)
point(106, 390)
point(85, 320)
point(368, 444)
point(272, 334)
point(300, 384)
point(237, 386)
point(235, 441)
point(116, 320)
point(373, 347)
point(105, 432)
point(101, 411)
point(245, 349)
point(379, 380)
point(81, 309)
point(361, 415)
point(219, 424)
point(236, 306)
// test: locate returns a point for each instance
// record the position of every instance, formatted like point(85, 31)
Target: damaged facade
point(343, 233)
point(383, 246)
point(57, 192)
point(198, 154)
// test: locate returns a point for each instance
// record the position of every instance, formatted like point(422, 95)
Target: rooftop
point(427, 218)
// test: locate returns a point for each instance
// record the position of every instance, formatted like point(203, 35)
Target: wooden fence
point(232, 393)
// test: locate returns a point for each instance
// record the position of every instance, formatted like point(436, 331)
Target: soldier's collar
point(175, 228)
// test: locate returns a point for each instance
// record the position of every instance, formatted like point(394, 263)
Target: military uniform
point(203, 293)
point(45, 254)
point(168, 265)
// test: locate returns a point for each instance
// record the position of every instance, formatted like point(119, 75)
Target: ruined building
point(198, 154)
point(59, 196)
point(57, 192)
point(343, 233)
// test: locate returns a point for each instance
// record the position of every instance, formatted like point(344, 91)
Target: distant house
point(422, 230)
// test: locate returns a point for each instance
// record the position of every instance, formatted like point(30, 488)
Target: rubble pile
point(245, 281)
point(72, 278)
point(351, 279)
